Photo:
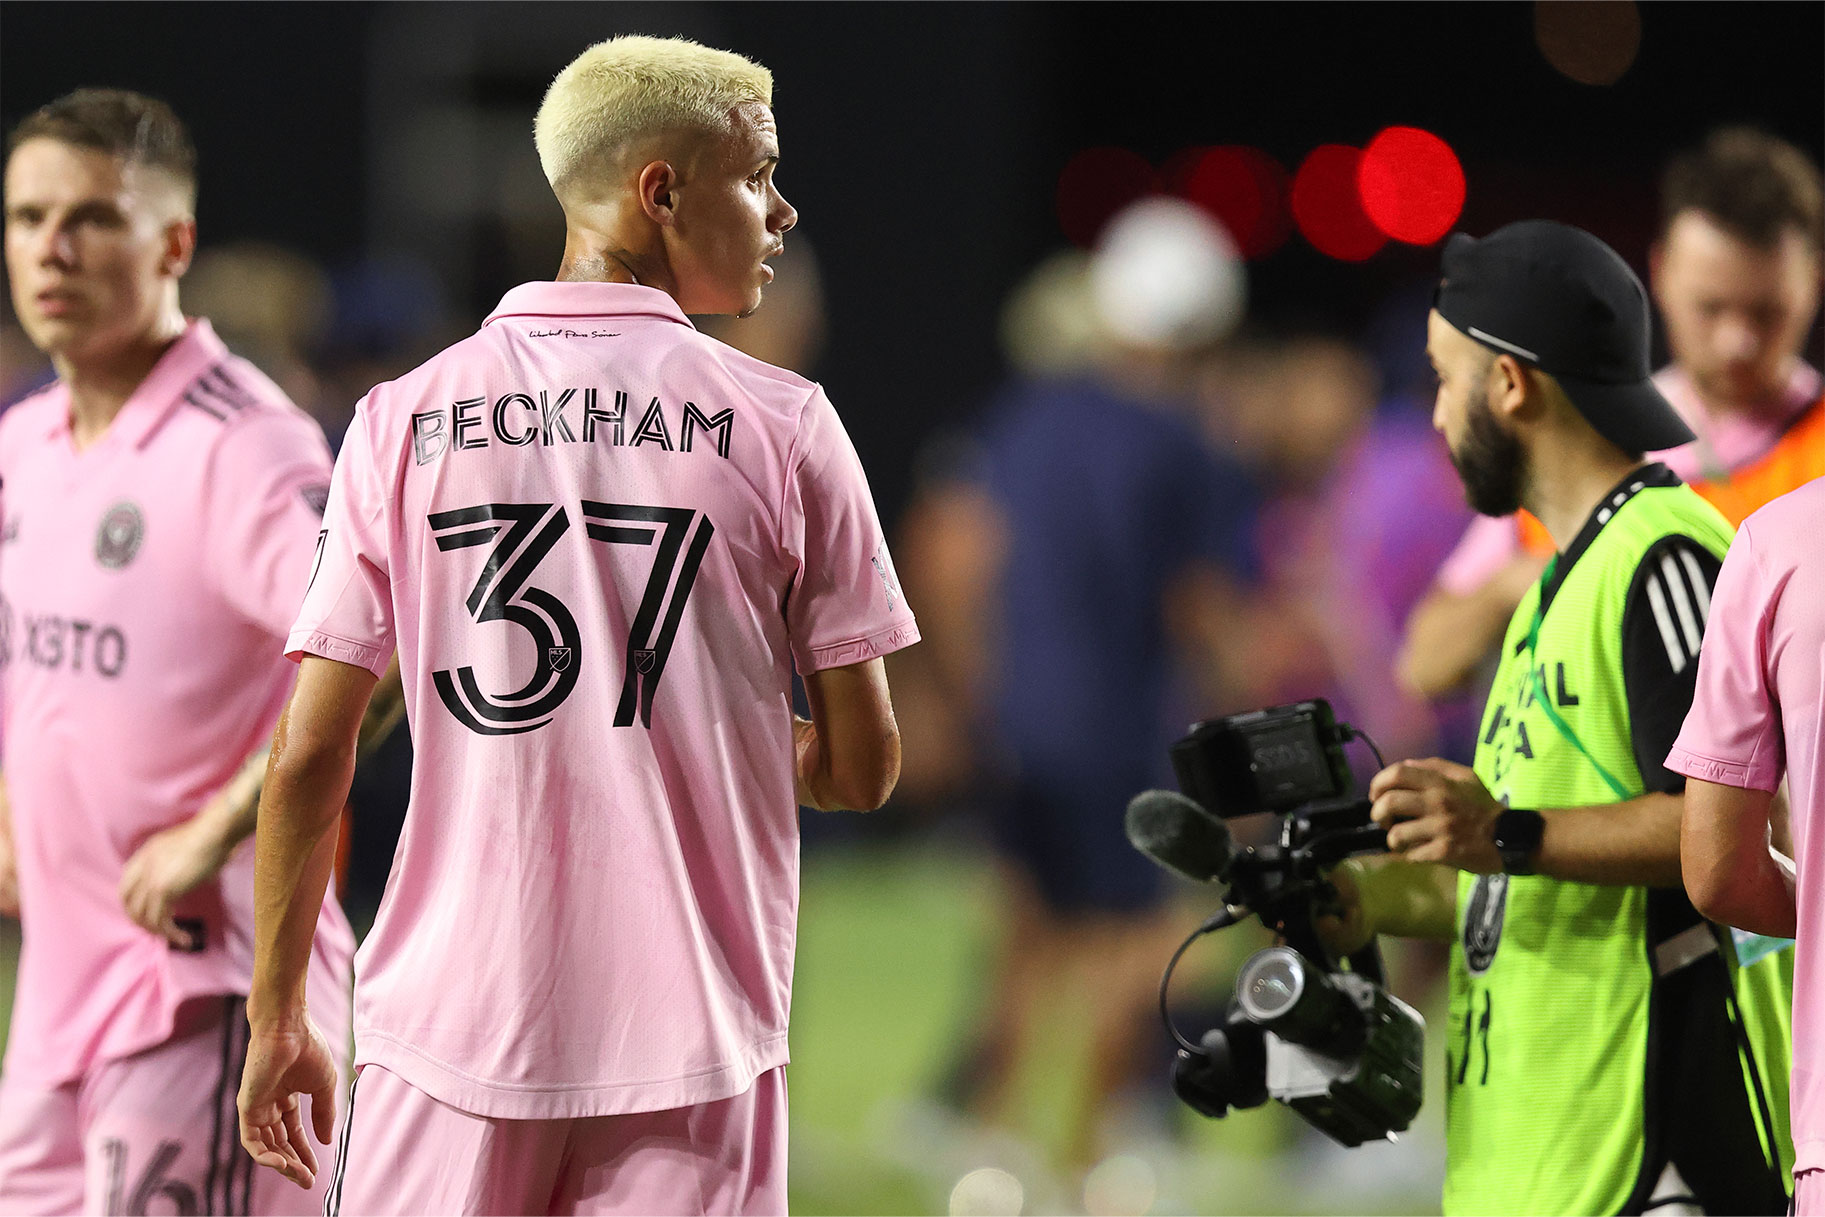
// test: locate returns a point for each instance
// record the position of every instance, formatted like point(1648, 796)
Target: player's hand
point(170, 865)
point(1437, 811)
point(282, 1067)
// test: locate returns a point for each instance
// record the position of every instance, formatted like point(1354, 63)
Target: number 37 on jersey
point(519, 536)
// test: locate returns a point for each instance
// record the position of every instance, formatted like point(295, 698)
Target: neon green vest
point(1550, 980)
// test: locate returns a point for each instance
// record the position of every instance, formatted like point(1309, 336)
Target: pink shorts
point(402, 1151)
point(155, 1132)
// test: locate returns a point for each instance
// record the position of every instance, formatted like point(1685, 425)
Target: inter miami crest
point(118, 538)
point(1483, 922)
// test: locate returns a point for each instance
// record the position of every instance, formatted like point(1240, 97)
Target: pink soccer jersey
point(600, 541)
point(148, 581)
point(1759, 713)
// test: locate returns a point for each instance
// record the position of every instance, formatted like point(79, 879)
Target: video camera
point(1328, 1041)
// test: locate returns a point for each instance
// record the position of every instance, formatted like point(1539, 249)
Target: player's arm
point(847, 757)
point(1393, 896)
point(172, 863)
point(1438, 811)
point(1450, 633)
point(1732, 872)
point(307, 782)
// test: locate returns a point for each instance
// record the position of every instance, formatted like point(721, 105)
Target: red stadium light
point(1097, 183)
point(1245, 189)
point(1328, 205)
point(1412, 185)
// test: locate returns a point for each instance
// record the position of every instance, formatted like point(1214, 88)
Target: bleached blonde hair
point(625, 88)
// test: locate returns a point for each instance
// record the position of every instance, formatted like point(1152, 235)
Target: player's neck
point(100, 384)
point(1769, 403)
point(1569, 481)
point(591, 257)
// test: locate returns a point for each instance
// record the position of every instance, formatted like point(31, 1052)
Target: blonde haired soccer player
point(603, 541)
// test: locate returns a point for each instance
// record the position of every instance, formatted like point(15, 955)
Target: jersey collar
point(1652, 474)
point(587, 300)
point(161, 392)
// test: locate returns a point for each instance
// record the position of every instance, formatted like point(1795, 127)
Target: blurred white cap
point(1165, 274)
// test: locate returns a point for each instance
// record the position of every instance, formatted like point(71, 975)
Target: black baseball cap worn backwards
point(1558, 298)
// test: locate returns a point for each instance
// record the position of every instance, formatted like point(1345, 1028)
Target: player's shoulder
point(1793, 518)
point(32, 415)
point(768, 384)
point(237, 408)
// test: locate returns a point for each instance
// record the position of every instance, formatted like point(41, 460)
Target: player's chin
point(58, 335)
point(751, 302)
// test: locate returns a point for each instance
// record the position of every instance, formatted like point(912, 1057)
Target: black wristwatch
point(1517, 839)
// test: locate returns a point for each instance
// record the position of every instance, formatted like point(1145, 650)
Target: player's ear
point(1510, 389)
point(180, 247)
point(657, 186)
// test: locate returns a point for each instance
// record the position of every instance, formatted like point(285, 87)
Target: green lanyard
point(1749, 947)
point(1537, 679)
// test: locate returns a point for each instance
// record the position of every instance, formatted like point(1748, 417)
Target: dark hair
point(139, 129)
point(1752, 184)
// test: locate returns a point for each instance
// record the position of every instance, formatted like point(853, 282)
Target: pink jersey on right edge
point(600, 541)
point(1757, 714)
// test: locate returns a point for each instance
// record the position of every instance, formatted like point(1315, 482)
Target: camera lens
point(1283, 992)
point(1271, 984)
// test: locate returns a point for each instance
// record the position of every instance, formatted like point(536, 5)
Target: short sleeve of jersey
point(268, 479)
point(845, 605)
point(1662, 627)
point(1733, 734)
point(348, 606)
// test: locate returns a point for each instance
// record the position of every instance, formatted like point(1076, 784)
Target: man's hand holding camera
point(1437, 811)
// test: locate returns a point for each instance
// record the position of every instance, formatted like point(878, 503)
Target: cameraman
point(1607, 1049)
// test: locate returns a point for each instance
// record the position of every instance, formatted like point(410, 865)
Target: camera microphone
point(1180, 835)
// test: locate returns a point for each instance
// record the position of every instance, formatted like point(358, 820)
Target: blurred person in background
point(575, 996)
point(162, 501)
point(1085, 545)
point(1736, 276)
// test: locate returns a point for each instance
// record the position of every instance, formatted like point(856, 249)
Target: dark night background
point(922, 141)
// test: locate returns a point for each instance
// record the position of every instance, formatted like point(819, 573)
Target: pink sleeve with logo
point(348, 607)
point(265, 501)
point(845, 606)
point(1732, 735)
